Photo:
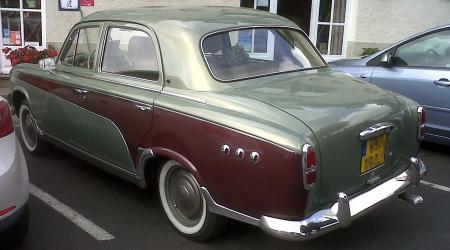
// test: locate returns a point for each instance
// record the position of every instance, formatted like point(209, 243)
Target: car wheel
point(13, 235)
point(184, 204)
point(32, 140)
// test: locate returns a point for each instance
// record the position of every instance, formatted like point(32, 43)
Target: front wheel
point(28, 130)
point(184, 204)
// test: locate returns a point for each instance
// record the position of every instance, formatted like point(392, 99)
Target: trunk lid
point(337, 108)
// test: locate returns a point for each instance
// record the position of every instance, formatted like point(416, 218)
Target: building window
point(329, 27)
point(22, 24)
point(323, 20)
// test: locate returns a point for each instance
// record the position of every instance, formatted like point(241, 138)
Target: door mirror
point(47, 64)
point(386, 60)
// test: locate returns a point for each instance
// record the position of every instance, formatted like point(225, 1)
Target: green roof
point(179, 32)
point(194, 19)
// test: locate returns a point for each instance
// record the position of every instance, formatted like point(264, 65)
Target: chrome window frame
point(77, 29)
point(131, 26)
point(259, 27)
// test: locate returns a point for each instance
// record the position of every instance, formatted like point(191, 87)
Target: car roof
point(179, 32)
point(200, 20)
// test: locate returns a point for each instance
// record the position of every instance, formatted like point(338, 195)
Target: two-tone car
point(228, 112)
point(14, 183)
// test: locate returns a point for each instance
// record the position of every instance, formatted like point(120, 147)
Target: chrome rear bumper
point(341, 213)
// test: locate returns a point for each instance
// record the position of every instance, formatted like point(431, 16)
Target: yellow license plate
point(373, 153)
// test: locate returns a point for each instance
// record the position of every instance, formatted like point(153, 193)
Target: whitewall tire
point(184, 204)
point(28, 130)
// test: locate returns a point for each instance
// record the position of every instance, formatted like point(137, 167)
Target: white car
point(14, 183)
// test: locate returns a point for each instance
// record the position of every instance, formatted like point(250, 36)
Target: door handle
point(442, 82)
point(80, 91)
point(143, 107)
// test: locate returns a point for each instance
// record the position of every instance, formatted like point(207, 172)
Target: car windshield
point(251, 52)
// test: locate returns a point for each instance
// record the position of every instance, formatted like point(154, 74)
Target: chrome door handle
point(80, 91)
point(143, 107)
point(442, 82)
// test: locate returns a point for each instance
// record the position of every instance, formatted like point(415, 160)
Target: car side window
point(69, 51)
point(130, 52)
point(86, 47)
point(80, 50)
point(432, 50)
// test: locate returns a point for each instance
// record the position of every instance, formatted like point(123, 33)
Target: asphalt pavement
point(134, 217)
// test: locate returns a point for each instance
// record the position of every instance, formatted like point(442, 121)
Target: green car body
point(126, 124)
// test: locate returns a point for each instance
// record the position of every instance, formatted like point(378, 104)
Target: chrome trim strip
point(99, 78)
point(221, 210)
point(182, 96)
point(225, 127)
point(341, 213)
point(256, 27)
point(376, 130)
point(304, 163)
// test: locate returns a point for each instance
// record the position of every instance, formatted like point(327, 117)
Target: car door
point(420, 70)
point(66, 103)
point(127, 80)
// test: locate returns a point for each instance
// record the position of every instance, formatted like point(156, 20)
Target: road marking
point(88, 226)
point(437, 186)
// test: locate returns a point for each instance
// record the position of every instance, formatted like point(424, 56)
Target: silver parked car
point(14, 185)
point(419, 68)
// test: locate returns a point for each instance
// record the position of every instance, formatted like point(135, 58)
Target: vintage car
point(228, 112)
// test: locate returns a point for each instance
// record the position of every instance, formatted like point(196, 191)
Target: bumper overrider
point(341, 213)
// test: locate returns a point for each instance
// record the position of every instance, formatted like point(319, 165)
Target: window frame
point(375, 61)
point(314, 27)
point(256, 27)
point(130, 26)
point(77, 28)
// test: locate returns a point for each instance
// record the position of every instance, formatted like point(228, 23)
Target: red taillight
point(309, 166)
point(5, 211)
point(6, 123)
point(421, 120)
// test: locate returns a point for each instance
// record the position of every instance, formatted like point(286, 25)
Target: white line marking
point(437, 186)
point(95, 231)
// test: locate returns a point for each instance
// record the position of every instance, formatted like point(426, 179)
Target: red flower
point(27, 54)
point(52, 53)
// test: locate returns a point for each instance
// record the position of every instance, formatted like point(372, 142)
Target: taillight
point(421, 120)
point(6, 123)
point(7, 210)
point(309, 166)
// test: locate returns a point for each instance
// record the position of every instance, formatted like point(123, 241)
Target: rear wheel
point(28, 130)
point(184, 204)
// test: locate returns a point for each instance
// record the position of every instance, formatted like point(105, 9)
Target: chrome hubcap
point(183, 196)
point(28, 127)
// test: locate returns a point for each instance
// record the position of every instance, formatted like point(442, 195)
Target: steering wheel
point(90, 57)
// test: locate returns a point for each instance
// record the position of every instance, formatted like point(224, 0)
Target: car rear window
point(252, 52)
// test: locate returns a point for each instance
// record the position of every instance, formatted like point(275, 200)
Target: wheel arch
point(159, 155)
point(17, 96)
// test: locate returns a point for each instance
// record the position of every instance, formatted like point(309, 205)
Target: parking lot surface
point(133, 217)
